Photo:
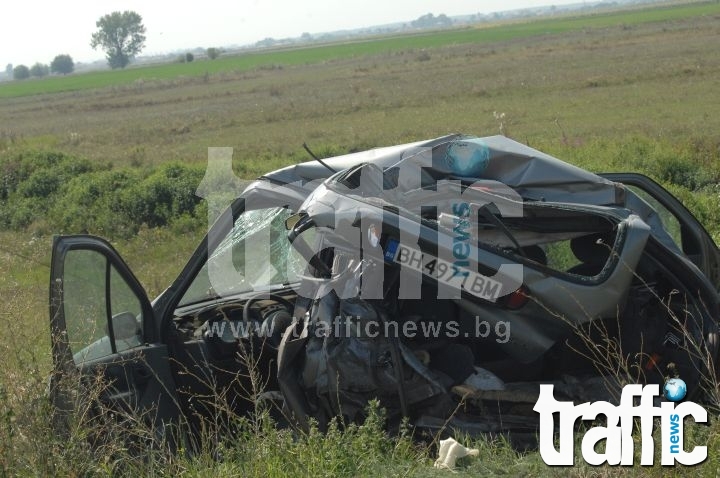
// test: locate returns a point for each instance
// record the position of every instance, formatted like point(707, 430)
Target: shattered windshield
point(254, 255)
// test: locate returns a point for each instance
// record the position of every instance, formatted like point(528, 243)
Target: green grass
point(370, 46)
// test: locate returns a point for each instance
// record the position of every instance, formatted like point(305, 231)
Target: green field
point(119, 153)
point(354, 49)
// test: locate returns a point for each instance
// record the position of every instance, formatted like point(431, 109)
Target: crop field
point(354, 49)
point(620, 91)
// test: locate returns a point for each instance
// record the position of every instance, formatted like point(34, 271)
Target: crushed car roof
point(533, 174)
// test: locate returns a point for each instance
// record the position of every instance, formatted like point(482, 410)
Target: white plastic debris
point(484, 380)
point(450, 450)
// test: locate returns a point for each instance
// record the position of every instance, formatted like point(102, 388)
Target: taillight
point(653, 362)
point(517, 299)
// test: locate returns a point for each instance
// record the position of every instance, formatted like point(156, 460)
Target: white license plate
point(448, 273)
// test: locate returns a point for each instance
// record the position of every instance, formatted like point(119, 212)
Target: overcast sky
point(37, 30)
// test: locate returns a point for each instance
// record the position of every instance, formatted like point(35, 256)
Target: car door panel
point(94, 302)
point(692, 238)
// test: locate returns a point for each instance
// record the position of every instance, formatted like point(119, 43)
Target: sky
point(38, 30)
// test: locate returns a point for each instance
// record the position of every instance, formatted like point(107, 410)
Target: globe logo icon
point(675, 389)
point(468, 158)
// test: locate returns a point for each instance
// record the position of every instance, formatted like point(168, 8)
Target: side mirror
point(125, 326)
point(292, 221)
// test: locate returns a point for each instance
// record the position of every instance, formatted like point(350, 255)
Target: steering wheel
point(263, 296)
point(279, 320)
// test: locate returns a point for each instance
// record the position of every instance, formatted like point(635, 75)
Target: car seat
point(593, 251)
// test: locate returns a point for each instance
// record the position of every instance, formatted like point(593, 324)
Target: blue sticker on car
point(391, 250)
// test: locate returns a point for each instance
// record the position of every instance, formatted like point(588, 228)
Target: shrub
point(73, 195)
point(41, 184)
point(88, 204)
point(30, 181)
point(118, 202)
point(164, 195)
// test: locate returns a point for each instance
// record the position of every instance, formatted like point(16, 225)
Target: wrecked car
point(445, 278)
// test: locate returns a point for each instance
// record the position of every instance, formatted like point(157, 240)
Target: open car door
point(687, 232)
point(102, 326)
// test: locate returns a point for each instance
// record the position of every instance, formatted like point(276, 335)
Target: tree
point(431, 21)
point(189, 57)
point(39, 70)
point(62, 64)
point(21, 72)
point(269, 41)
point(443, 20)
point(424, 21)
point(121, 35)
point(9, 69)
point(213, 53)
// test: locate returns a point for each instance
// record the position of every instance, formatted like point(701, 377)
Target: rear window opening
point(565, 241)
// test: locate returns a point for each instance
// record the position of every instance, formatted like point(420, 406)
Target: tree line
point(120, 34)
point(61, 64)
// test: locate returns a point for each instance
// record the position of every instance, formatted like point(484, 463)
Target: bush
point(40, 184)
point(72, 195)
point(16, 170)
point(161, 197)
point(117, 203)
point(88, 204)
point(30, 183)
